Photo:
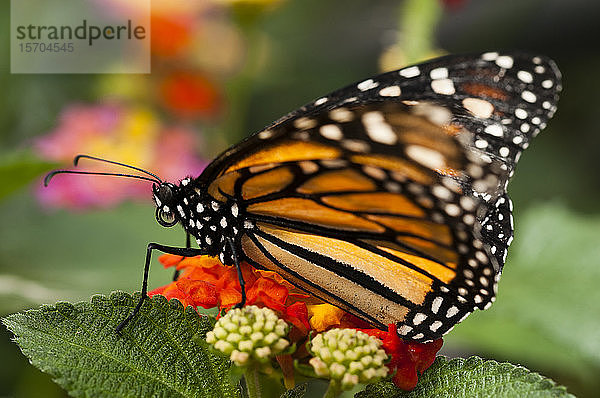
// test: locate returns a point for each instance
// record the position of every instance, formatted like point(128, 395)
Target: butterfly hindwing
point(383, 230)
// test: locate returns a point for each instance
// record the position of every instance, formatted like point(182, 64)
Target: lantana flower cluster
point(205, 282)
point(347, 357)
point(249, 333)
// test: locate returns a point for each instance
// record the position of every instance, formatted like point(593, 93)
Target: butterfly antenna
point(76, 160)
point(51, 174)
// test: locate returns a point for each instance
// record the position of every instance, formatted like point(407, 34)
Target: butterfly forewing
point(504, 100)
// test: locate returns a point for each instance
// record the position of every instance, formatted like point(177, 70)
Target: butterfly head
point(166, 197)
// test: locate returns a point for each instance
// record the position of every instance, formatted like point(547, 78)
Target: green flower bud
point(348, 357)
point(249, 334)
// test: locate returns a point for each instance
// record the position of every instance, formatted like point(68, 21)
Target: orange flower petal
point(169, 260)
point(201, 293)
point(297, 315)
point(267, 288)
point(229, 297)
point(276, 277)
point(323, 316)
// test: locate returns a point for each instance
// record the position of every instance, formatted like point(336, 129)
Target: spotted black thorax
point(209, 221)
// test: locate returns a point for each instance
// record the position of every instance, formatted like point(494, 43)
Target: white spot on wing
point(441, 192)
point(263, 135)
point(331, 131)
point(495, 130)
point(404, 329)
point(435, 326)
point(443, 86)
point(528, 96)
point(547, 84)
point(305, 123)
point(505, 61)
point(481, 144)
point(367, 85)
point(378, 129)
point(390, 91)
point(419, 318)
point(439, 73)
point(308, 167)
point(341, 115)
point(451, 312)
point(517, 139)
point(525, 76)
point(355, 145)
point(489, 56)
point(435, 306)
point(521, 113)
point(410, 72)
point(426, 156)
point(434, 113)
point(481, 108)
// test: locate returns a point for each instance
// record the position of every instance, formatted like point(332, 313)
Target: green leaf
point(548, 308)
point(19, 169)
point(472, 377)
point(70, 265)
point(156, 356)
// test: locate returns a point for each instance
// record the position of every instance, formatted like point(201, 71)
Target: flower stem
point(333, 390)
point(252, 382)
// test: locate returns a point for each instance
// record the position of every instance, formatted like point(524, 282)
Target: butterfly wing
point(374, 197)
point(502, 101)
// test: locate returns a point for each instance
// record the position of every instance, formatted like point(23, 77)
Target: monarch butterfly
point(386, 198)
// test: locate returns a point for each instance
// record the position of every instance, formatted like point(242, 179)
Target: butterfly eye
point(164, 218)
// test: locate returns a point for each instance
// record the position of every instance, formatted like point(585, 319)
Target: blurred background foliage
point(223, 69)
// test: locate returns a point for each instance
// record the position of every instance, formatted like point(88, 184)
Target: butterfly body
point(209, 221)
point(386, 198)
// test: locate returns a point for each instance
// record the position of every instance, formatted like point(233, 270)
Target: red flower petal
point(190, 95)
point(408, 358)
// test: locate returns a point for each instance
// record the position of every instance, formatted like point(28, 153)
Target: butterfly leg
point(178, 251)
point(239, 274)
point(188, 244)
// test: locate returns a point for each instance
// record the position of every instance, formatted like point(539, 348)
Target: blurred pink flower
point(131, 135)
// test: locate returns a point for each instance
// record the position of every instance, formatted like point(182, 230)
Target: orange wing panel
point(392, 163)
point(286, 152)
point(405, 281)
point(376, 202)
point(308, 211)
point(268, 182)
point(427, 229)
point(225, 183)
point(337, 180)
